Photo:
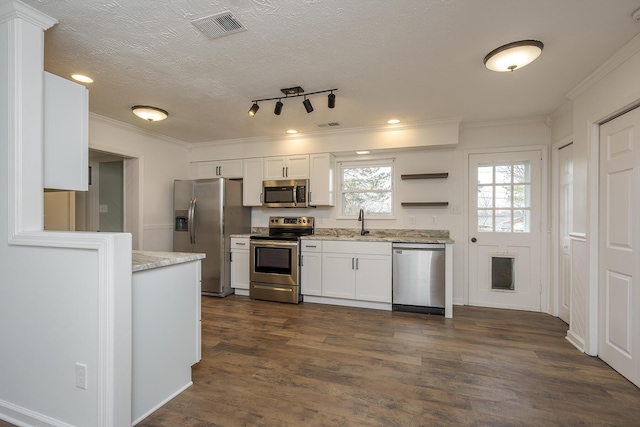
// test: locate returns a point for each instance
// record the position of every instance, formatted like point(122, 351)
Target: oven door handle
point(273, 244)
point(272, 288)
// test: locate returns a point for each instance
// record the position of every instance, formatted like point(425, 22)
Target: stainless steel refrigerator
point(206, 213)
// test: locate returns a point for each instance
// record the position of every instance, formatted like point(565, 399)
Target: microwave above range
point(290, 193)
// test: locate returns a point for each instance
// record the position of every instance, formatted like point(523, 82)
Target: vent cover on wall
point(218, 25)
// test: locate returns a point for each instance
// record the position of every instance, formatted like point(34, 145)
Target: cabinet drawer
point(311, 245)
point(342, 246)
point(240, 243)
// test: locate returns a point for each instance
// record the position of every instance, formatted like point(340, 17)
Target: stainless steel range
point(275, 275)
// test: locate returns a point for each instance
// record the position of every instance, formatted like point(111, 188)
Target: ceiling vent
point(328, 125)
point(218, 25)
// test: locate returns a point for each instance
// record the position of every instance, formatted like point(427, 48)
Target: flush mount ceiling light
point(513, 55)
point(82, 78)
point(393, 121)
point(151, 114)
point(293, 92)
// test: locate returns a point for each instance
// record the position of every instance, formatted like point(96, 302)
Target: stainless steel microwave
point(290, 193)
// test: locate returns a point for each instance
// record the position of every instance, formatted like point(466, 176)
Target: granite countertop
point(379, 238)
point(375, 235)
point(146, 260)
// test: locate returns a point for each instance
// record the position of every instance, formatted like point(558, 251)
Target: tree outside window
point(367, 186)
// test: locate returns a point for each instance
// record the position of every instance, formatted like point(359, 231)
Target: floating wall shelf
point(425, 175)
point(425, 204)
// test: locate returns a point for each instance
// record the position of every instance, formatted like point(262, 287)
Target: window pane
point(503, 221)
point(503, 173)
point(485, 174)
point(522, 221)
point(485, 196)
point(521, 196)
point(368, 178)
point(485, 220)
point(378, 203)
point(521, 172)
point(503, 196)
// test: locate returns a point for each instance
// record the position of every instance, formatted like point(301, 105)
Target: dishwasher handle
point(419, 246)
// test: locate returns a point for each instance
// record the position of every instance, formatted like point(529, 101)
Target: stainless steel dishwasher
point(418, 277)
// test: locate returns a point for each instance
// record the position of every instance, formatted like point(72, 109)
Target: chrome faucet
point(363, 232)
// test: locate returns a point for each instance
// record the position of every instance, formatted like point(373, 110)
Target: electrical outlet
point(81, 376)
point(104, 208)
point(455, 209)
point(412, 220)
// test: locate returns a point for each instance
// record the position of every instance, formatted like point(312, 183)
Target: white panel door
point(618, 240)
point(565, 216)
point(504, 227)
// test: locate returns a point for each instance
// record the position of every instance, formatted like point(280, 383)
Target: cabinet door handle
point(309, 196)
point(352, 261)
point(301, 261)
point(219, 170)
point(310, 246)
point(230, 256)
point(283, 174)
point(287, 172)
point(260, 197)
point(240, 244)
point(357, 263)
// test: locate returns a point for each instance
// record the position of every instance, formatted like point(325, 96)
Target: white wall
point(65, 298)
point(161, 160)
point(611, 89)
point(421, 159)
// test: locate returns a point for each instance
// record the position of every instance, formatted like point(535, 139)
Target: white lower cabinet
point(359, 271)
point(311, 267)
point(240, 263)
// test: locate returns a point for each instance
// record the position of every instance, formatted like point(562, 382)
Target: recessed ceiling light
point(393, 121)
point(292, 131)
point(362, 152)
point(81, 78)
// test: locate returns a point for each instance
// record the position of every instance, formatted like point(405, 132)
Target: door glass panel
point(485, 196)
point(485, 220)
point(485, 174)
point(504, 197)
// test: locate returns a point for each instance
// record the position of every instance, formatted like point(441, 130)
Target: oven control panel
point(290, 221)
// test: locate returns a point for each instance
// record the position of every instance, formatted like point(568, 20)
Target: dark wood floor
point(272, 364)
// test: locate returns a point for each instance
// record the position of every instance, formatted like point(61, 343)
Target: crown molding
point(135, 129)
point(623, 54)
point(528, 120)
point(13, 9)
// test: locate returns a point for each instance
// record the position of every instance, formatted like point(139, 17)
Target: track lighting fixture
point(293, 92)
point(254, 109)
point(278, 108)
point(307, 105)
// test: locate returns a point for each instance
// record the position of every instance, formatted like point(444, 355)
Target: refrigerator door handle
point(190, 220)
point(194, 217)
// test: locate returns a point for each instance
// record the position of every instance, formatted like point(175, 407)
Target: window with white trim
point(367, 185)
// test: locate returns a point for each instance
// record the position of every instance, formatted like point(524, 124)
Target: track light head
point(254, 109)
point(278, 108)
point(332, 100)
point(307, 105)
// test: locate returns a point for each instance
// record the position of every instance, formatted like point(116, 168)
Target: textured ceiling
point(415, 60)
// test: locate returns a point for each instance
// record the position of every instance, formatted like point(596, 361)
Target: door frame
point(554, 295)
point(544, 230)
point(133, 174)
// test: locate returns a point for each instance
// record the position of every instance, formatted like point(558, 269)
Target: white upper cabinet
point(252, 182)
point(219, 169)
point(322, 168)
point(286, 167)
point(66, 134)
